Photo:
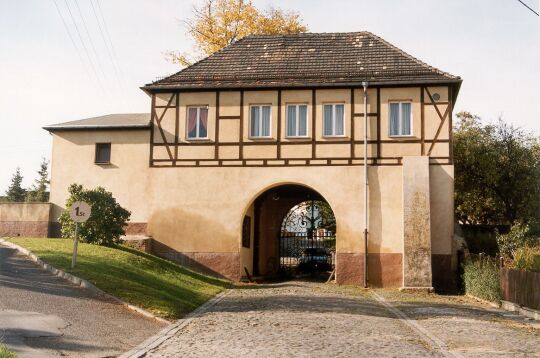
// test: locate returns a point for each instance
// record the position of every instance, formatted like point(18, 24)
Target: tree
point(107, 219)
point(497, 172)
point(16, 193)
point(39, 193)
point(219, 23)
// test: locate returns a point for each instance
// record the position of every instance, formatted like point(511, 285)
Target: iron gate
point(307, 251)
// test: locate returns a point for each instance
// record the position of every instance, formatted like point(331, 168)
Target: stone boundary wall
point(24, 219)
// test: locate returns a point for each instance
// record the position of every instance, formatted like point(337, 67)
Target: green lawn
point(5, 352)
point(164, 288)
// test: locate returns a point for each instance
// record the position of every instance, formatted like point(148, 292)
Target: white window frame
point(269, 136)
point(400, 121)
point(297, 120)
point(333, 135)
point(197, 122)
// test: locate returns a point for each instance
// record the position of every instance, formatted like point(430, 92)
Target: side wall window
point(260, 118)
point(197, 123)
point(296, 120)
point(400, 119)
point(334, 120)
point(103, 153)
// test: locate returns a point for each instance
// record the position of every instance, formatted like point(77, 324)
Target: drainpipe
point(366, 185)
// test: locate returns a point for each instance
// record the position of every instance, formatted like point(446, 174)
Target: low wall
point(138, 242)
point(24, 219)
point(521, 287)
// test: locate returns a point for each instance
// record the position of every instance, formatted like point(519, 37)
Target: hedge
point(481, 278)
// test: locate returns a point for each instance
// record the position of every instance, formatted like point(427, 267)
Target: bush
point(527, 258)
point(481, 278)
point(107, 220)
point(518, 237)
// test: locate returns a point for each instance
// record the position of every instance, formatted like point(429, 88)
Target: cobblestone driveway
point(316, 320)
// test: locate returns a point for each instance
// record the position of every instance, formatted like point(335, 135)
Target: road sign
point(80, 211)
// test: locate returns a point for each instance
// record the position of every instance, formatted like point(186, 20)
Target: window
point(333, 120)
point(197, 123)
point(400, 119)
point(296, 120)
point(260, 117)
point(103, 153)
point(246, 232)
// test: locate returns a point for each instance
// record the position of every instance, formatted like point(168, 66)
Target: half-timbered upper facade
point(298, 100)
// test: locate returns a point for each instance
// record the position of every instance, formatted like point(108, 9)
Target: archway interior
point(291, 213)
point(307, 240)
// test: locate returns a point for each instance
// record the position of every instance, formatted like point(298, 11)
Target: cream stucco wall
point(201, 209)
point(127, 175)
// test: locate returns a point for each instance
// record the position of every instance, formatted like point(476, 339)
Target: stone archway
point(265, 217)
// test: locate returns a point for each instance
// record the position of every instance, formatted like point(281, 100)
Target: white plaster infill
point(77, 280)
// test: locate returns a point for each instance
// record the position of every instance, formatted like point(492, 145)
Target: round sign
point(79, 211)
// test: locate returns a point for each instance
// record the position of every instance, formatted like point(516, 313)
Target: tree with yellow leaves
point(219, 23)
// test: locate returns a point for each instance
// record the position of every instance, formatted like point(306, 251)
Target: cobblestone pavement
point(316, 320)
point(42, 315)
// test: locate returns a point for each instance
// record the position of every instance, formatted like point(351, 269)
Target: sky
point(49, 77)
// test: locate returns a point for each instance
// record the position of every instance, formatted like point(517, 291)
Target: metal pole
point(75, 244)
point(366, 185)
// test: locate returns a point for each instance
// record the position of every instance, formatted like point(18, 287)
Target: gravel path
point(43, 315)
point(299, 319)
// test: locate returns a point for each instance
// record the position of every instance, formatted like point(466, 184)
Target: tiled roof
point(309, 59)
point(109, 121)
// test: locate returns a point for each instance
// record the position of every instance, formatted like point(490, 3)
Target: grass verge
point(6, 353)
point(164, 288)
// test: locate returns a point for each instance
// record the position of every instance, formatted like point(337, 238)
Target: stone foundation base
point(220, 264)
point(24, 228)
point(138, 242)
point(444, 278)
point(135, 228)
point(384, 270)
point(417, 289)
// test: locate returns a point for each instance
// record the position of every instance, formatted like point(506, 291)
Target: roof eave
point(378, 83)
point(96, 127)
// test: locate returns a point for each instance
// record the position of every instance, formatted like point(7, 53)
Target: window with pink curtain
point(197, 123)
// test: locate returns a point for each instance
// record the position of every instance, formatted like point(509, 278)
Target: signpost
point(79, 212)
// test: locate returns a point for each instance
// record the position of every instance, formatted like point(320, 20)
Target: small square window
point(103, 153)
point(400, 119)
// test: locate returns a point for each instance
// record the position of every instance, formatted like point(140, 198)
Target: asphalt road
point(43, 315)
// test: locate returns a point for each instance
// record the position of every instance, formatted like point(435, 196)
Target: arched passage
point(283, 229)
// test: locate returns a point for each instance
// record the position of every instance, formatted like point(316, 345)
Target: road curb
point(171, 330)
point(481, 300)
point(78, 281)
